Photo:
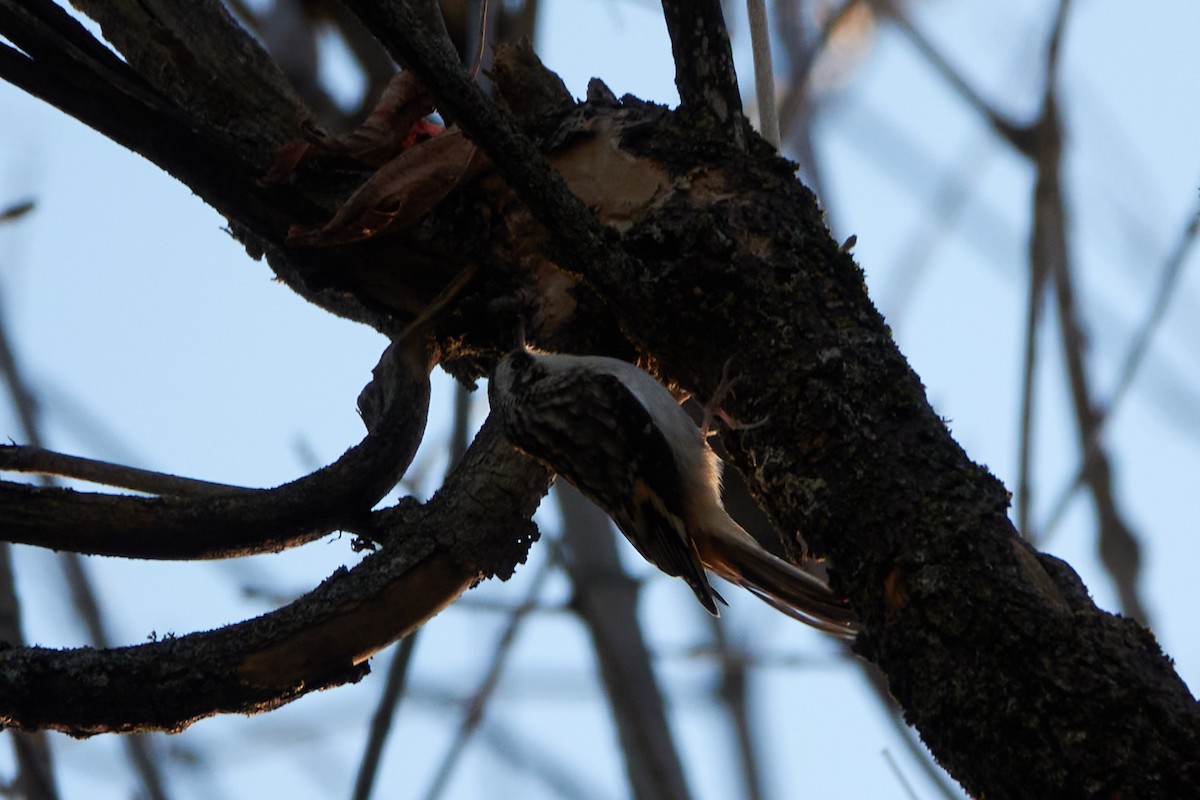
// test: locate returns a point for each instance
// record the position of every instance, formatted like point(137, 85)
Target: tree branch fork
point(974, 629)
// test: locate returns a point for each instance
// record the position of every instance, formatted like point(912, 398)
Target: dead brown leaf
point(396, 122)
point(401, 192)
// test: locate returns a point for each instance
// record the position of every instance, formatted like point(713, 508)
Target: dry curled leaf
point(401, 192)
point(396, 123)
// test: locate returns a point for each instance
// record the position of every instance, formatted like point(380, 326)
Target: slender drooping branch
point(27, 458)
point(242, 521)
point(34, 777)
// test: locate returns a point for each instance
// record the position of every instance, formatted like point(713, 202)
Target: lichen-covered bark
point(704, 251)
point(1017, 682)
point(1020, 686)
point(704, 73)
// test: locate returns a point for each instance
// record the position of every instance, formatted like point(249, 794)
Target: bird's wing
point(591, 429)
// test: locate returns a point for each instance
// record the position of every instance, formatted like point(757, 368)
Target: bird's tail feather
point(738, 558)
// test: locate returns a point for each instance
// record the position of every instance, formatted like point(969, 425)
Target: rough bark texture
point(704, 73)
point(708, 251)
point(979, 635)
point(475, 527)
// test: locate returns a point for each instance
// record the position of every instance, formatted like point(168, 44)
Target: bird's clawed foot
point(713, 408)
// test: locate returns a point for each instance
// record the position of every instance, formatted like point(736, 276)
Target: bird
point(620, 437)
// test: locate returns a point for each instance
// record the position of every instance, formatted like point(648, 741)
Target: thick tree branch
point(435, 552)
point(1019, 685)
point(242, 521)
point(854, 457)
point(65, 66)
point(196, 54)
point(704, 73)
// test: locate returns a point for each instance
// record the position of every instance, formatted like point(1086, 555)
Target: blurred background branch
point(961, 149)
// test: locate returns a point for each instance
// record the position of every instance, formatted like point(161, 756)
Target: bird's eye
point(520, 360)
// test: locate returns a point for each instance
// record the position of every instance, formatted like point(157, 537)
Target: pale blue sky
point(126, 299)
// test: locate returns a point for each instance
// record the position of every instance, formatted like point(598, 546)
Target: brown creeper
point(619, 436)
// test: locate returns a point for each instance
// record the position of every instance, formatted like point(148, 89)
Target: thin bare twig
point(385, 712)
point(894, 715)
point(1015, 134)
point(797, 110)
point(764, 71)
point(530, 757)
point(903, 781)
point(393, 691)
point(35, 769)
point(338, 496)
point(33, 755)
point(1130, 363)
point(477, 703)
point(1049, 251)
point(734, 693)
point(605, 600)
point(1033, 313)
point(533, 758)
point(35, 778)
point(28, 458)
point(803, 54)
point(16, 210)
